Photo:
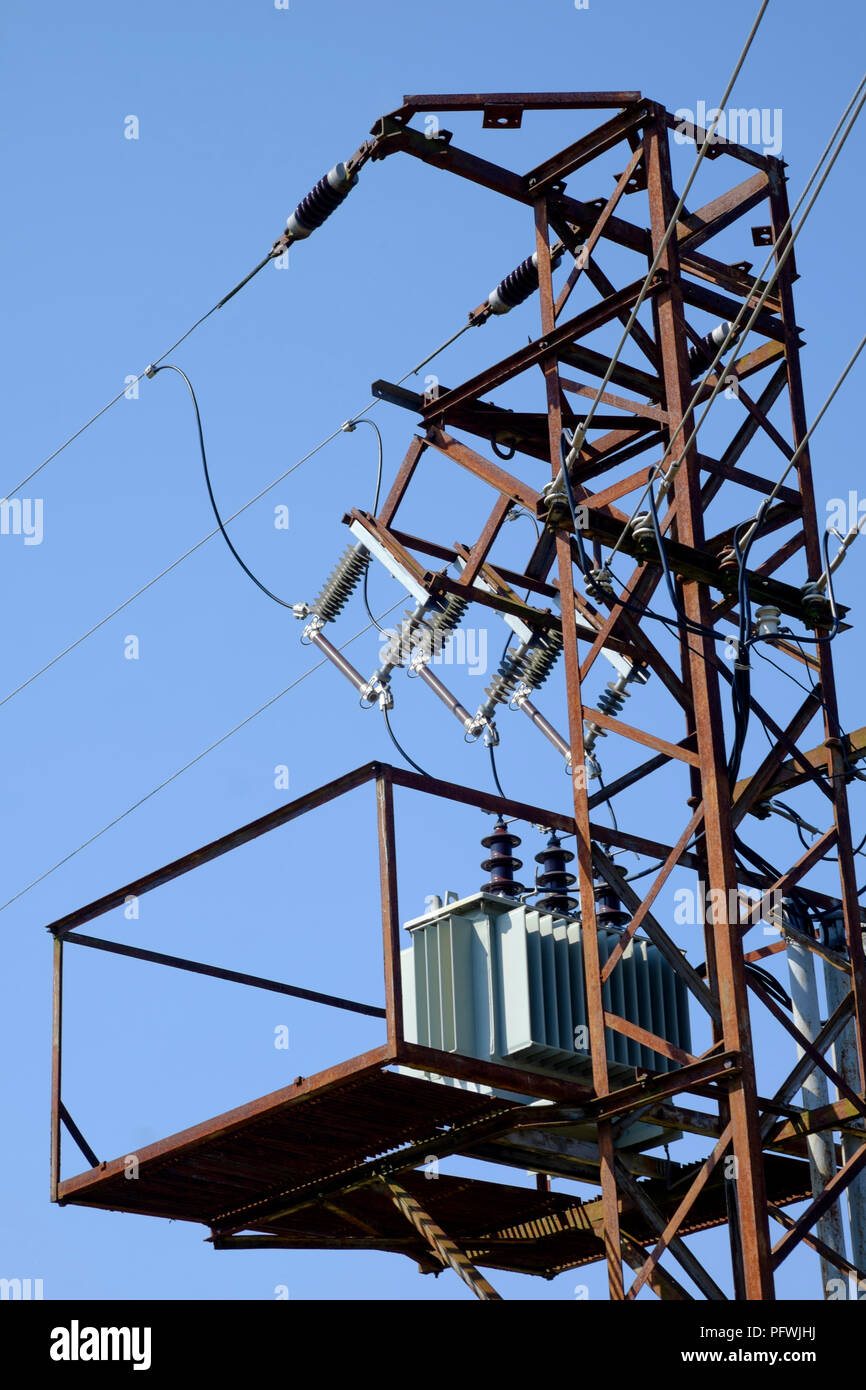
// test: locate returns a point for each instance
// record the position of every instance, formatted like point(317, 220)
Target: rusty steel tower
point(581, 490)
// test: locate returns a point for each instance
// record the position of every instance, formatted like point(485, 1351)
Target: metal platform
point(310, 1167)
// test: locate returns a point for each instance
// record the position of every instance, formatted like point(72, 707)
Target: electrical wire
point(170, 367)
point(606, 800)
point(800, 824)
point(396, 742)
point(192, 762)
point(147, 370)
point(738, 336)
point(850, 769)
point(495, 773)
point(581, 432)
point(351, 425)
point(216, 531)
point(644, 611)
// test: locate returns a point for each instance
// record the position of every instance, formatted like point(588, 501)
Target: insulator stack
point(501, 863)
point(504, 683)
point(341, 582)
point(431, 629)
point(446, 617)
point(554, 879)
point(525, 669)
point(611, 700)
point(609, 911)
point(517, 285)
point(541, 658)
point(320, 202)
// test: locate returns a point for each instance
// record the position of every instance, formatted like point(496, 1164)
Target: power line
point(192, 762)
point(495, 772)
point(371, 404)
point(581, 432)
point(352, 425)
point(147, 370)
point(170, 367)
point(396, 742)
point(645, 611)
point(734, 335)
point(807, 436)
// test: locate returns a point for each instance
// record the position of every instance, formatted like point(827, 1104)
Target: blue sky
point(113, 247)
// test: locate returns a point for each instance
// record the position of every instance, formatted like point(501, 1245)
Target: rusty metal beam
point(447, 1250)
point(197, 967)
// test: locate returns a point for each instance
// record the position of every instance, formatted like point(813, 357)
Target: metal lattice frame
point(686, 278)
point(753, 1129)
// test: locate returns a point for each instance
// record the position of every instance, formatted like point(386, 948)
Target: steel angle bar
point(677, 1246)
point(656, 933)
point(75, 1132)
point(808, 1047)
point(651, 895)
point(447, 1250)
point(251, 831)
point(830, 1195)
point(817, 1245)
point(217, 972)
point(685, 1206)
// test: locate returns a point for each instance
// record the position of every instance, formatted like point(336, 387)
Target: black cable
point(740, 685)
point(606, 800)
point(795, 817)
point(800, 825)
point(148, 371)
point(586, 570)
point(840, 733)
point(770, 984)
point(763, 655)
point(349, 426)
point(495, 773)
point(685, 621)
point(398, 745)
point(170, 367)
point(743, 586)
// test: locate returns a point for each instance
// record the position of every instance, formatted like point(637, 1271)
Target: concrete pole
point(822, 1157)
point(846, 1064)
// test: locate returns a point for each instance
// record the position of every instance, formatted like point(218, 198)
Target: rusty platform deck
point(303, 1168)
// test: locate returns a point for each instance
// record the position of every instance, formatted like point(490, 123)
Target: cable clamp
point(473, 728)
point(641, 527)
point(592, 765)
point(554, 502)
point(813, 589)
point(601, 579)
point(420, 656)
